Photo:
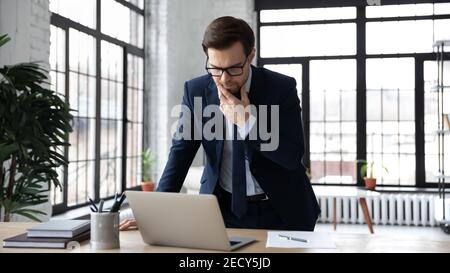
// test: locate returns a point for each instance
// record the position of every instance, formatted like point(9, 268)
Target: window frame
point(361, 56)
point(66, 24)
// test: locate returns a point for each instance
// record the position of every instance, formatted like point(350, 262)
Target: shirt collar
point(248, 83)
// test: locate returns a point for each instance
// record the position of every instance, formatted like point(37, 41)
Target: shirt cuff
point(245, 130)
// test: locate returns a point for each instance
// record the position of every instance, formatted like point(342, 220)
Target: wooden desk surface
point(131, 241)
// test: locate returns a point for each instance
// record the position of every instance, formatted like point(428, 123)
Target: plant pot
point(148, 186)
point(370, 183)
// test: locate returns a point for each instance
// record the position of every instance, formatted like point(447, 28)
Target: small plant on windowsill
point(367, 172)
point(147, 183)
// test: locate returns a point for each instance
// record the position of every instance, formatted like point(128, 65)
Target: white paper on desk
point(315, 239)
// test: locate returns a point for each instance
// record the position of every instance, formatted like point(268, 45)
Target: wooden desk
point(361, 243)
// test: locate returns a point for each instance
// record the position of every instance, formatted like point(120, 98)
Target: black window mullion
point(131, 6)
point(315, 22)
point(125, 119)
point(67, 91)
point(258, 37)
point(401, 55)
point(98, 60)
point(361, 107)
point(419, 123)
point(409, 18)
point(79, 122)
point(290, 60)
point(295, 4)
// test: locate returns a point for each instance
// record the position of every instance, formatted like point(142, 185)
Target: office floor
point(430, 232)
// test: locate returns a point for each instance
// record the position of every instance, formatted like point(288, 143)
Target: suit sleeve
point(182, 151)
point(291, 139)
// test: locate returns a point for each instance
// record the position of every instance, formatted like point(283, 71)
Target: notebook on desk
point(59, 228)
point(23, 241)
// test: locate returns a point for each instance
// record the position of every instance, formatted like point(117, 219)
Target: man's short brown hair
point(223, 32)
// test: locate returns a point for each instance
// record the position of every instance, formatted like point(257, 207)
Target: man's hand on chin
point(232, 108)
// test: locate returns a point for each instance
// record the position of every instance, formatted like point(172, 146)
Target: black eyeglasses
point(232, 71)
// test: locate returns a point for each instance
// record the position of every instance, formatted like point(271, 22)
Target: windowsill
point(78, 213)
point(85, 211)
point(390, 189)
point(409, 189)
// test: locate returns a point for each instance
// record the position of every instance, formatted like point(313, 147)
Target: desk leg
point(365, 209)
point(334, 213)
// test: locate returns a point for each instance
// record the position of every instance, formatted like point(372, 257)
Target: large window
point(135, 121)
point(97, 64)
point(366, 73)
point(333, 121)
point(311, 40)
point(431, 119)
point(390, 119)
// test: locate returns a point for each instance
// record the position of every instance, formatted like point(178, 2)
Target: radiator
point(385, 209)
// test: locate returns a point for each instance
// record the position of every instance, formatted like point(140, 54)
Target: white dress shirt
point(226, 170)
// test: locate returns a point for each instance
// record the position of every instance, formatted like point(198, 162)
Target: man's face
point(233, 56)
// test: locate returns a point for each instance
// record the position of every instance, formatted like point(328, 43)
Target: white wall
point(27, 22)
point(174, 39)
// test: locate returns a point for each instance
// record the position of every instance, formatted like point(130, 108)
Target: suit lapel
point(256, 87)
point(212, 95)
point(212, 98)
point(256, 91)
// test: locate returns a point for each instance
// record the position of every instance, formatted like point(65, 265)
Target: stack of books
point(52, 234)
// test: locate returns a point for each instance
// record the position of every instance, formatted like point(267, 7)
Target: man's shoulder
point(276, 79)
point(198, 84)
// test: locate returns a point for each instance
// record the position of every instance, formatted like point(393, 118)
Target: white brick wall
point(175, 56)
point(27, 22)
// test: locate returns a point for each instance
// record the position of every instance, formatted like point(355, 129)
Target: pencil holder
point(105, 230)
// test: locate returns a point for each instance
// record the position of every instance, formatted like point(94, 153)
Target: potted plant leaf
point(147, 183)
point(34, 126)
point(367, 173)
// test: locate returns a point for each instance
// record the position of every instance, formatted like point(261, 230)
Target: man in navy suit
point(257, 185)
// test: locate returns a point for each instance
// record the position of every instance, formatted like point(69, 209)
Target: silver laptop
point(182, 220)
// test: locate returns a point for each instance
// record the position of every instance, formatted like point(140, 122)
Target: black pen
point(116, 206)
point(122, 197)
point(293, 238)
point(100, 206)
point(93, 204)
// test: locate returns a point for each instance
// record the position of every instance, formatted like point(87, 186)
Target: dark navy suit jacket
point(280, 173)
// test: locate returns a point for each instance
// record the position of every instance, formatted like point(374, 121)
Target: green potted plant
point(147, 183)
point(34, 126)
point(370, 180)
